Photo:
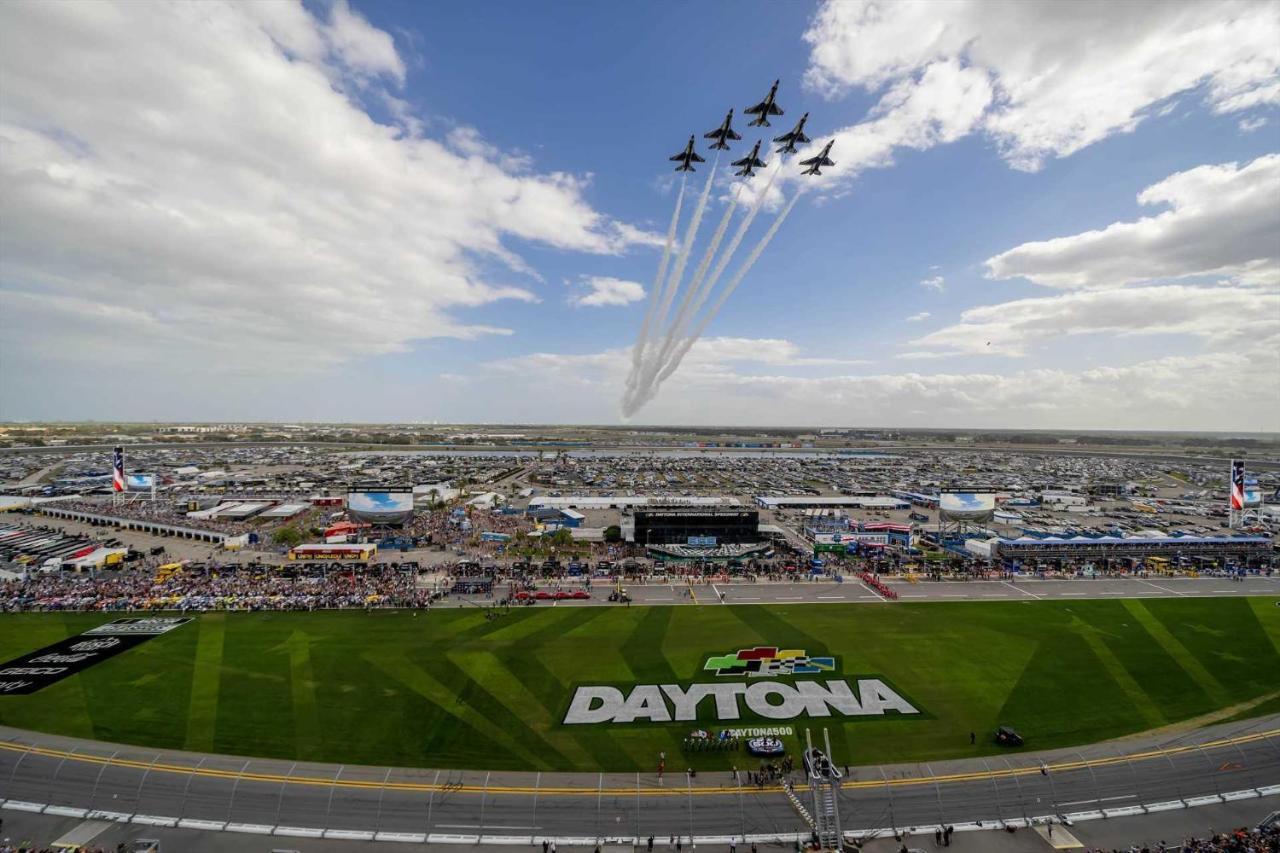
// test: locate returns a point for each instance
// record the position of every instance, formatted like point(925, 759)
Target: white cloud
point(1189, 392)
point(935, 283)
point(941, 104)
point(1062, 75)
point(1222, 220)
point(1249, 125)
point(360, 46)
point(1219, 316)
point(201, 178)
point(602, 291)
point(918, 318)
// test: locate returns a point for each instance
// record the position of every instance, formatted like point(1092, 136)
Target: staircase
point(824, 784)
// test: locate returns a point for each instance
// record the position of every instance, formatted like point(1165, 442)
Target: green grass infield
point(451, 689)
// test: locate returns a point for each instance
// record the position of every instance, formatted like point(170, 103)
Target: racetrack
point(69, 777)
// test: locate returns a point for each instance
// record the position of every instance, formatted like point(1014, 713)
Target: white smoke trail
point(728, 291)
point(659, 281)
point(641, 372)
point(682, 319)
point(683, 315)
point(686, 247)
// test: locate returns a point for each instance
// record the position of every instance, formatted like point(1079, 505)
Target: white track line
point(1015, 588)
point(1165, 588)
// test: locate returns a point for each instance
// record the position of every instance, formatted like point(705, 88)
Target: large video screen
point(381, 507)
point(967, 506)
point(139, 482)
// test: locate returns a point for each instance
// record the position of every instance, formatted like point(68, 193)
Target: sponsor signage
point(702, 541)
point(725, 700)
point(37, 670)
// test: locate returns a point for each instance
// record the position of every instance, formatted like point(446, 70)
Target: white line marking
point(1157, 586)
point(832, 597)
point(1103, 800)
point(1023, 591)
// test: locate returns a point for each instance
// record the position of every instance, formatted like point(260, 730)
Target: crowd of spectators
point(214, 590)
point(1263, 839)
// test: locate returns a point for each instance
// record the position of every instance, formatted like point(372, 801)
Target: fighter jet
point(723, 134)
point(750, 162)
point(794, 138)
point(765, 108)
point(687, 157)
point(821, 160)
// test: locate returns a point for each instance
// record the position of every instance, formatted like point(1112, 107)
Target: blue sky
point(385, 210)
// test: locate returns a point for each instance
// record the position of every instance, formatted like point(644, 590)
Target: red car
point(581, 594)
point(561, 595)
point(522, 596)
point(542, 595)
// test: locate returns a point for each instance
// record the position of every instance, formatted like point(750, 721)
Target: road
point(853, 591)
point(211, 792)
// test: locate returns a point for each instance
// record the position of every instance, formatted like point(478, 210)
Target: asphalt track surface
point(853, 591)
point(63, 776)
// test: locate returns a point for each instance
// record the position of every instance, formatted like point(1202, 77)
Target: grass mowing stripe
point(1173, 648)
point(206, 680)
point(1138, 697)
point(516, 695)
point(302, 690)
point(643, 648)
point(767, 623)
point(451, 704)
point(475, 694)
point(1227, 639)
point(1267, 612)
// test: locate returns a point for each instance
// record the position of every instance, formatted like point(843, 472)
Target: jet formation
point(722, 135)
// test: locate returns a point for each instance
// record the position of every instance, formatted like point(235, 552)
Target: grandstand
point(1060, 547)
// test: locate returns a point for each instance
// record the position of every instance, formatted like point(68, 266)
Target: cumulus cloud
point(1222, 316)
point(941, 104)
point(601, 291)
point(1221, 220)
point(935, 283)
point(1062, 75)
point(918, 318)
point(205, 175)
point(1249, 125)
point(1190, 392)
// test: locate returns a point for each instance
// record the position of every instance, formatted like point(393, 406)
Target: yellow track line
point(675, 791)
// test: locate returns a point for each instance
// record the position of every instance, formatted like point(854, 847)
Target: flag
point(1237, 484)
point(117, 474)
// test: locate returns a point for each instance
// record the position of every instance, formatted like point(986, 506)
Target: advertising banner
point(37, 670)
point(702, 541)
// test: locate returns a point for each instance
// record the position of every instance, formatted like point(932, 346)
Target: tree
point(287, 536)
point(613, 533)
point(560, 537)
